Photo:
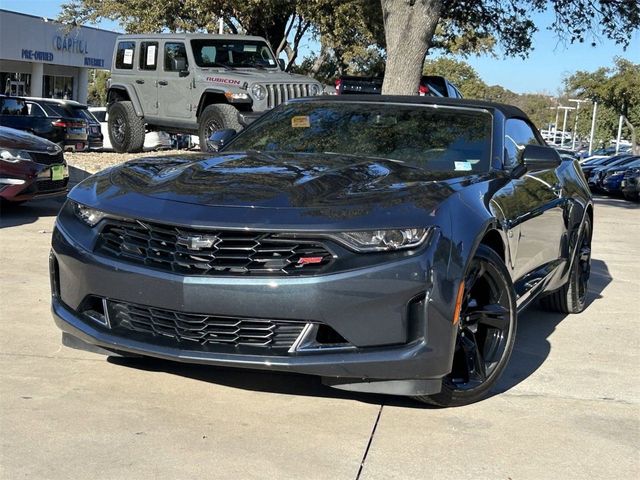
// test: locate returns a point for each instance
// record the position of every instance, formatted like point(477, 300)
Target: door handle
point(163, 83)
point(139, 82)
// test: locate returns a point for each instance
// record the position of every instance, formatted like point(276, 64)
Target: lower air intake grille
point(203, 332)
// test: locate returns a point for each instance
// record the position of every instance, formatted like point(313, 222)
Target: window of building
point(57, 87)
point(124, 55)
point(175, 57)
point(148, 55)
point(518, 134)
point(18, 84)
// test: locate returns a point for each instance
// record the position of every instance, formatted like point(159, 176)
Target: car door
point(535, 207)
point(146, 82)
point(174, 87)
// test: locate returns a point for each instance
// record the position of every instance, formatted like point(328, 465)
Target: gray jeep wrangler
point(194, 83)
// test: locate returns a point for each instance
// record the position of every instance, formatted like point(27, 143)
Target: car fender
point(131, 93)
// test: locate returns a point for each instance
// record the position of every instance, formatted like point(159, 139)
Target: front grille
point(278, 93)
point(203, 332)
point(46, 159)
point(204, 252)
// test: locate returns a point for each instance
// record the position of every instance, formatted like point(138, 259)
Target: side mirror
point(220, 138)
point(179, 64)
point(282, 64)
point(537, 157)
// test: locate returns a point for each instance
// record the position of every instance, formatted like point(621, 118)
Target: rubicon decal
point(225, 81)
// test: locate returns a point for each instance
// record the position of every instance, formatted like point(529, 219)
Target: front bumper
point(394, 316)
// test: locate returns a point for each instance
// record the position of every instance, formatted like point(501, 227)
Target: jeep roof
point(186, 36)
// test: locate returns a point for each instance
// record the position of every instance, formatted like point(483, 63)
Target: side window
point(517, 135)
point(13, 106)
point(175, 57)
point(148, 55)
point(35, 110)
point(124, 55)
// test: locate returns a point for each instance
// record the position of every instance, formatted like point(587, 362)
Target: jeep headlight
point(14, 156)
point(314, 89)
point(383, 240)
point(258, 92)
point(89, 216)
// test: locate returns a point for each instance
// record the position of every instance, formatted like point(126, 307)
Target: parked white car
point(152, 140)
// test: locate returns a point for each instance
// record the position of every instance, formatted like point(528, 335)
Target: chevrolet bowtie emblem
point(198, 242)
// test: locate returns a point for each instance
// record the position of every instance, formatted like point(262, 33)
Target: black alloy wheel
point(485, 332)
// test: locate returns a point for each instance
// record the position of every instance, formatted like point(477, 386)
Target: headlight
point(14, 156)
point(88, 215)
point(234, 97)
point(314, 89)
point(383, 240)
point(258, 92)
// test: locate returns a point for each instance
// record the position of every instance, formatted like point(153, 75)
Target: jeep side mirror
point(179, 64)
point(537, 157)
point(219, 139)
point(282, 64)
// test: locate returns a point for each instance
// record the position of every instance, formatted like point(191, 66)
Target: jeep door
point(146, 82)
point(174, 82)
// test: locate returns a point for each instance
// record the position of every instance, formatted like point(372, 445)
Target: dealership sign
point(68, 44)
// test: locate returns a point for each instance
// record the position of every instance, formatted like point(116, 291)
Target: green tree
point(97, 90)
point(617, 91)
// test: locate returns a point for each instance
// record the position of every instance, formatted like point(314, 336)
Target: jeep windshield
point(211, 53)
point(437, 139)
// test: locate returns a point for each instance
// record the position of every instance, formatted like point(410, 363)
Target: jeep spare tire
point(216, 117)
point(126, 129)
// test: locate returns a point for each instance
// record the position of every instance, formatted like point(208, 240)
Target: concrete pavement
point(567, 406)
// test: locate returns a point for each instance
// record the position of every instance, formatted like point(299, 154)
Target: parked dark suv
point(52, 107)
point(64, 128)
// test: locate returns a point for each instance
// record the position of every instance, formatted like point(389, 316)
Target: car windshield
point(232, 53)
point(439, 139)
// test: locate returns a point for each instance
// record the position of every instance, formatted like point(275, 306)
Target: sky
point(542, 72)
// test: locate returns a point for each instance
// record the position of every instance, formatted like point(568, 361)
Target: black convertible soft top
point(508, 111)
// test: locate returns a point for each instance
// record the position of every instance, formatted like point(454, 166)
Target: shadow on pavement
point(619, 202)
point(531, 349)
point(29, 212)
point(535, 326)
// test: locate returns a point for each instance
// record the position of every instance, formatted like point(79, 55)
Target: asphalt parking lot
point(567, 407)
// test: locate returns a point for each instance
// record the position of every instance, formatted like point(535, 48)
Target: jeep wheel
point(217, 117)
point(126, 129)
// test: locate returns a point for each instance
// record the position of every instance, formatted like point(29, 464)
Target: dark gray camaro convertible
point(383, 243)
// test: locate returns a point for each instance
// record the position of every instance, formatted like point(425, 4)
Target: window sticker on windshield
point(302, 121)
point(128, 56)
point(462, 166)
point(250, 48)
point(151, 55)
point(271, 61)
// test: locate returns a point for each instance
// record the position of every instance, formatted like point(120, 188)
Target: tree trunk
point(320, 59)
point(409, 26)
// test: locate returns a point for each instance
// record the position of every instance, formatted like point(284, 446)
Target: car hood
point(19, 140)
point(260, 180)
point(306, 191)
point(217, 76)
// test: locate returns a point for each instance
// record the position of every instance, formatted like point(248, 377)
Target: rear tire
point(126, 129)
point(572, 296)
point(486, 332)
point(216, 117)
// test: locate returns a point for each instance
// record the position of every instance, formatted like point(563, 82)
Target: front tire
point(126, 129)
point(216, 117)
point(485, 335)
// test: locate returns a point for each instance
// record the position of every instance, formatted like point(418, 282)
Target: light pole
point(593, 126)
point(564, 123)
point(575, 125)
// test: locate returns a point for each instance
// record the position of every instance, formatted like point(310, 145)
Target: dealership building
point(40, 57)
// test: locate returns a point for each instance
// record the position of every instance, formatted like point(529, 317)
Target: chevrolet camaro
point(385, 244)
